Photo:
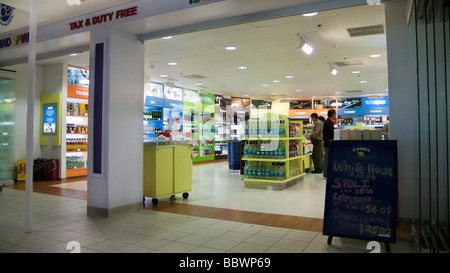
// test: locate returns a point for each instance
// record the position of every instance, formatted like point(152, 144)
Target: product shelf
point(274, 181)
point(292, 165)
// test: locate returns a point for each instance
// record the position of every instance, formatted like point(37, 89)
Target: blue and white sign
point(350, 112)
point(6, 14)
point(49, 119)
point(378, 102)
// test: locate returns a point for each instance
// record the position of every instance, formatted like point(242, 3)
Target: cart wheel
point(185, 195)
point(154, 201)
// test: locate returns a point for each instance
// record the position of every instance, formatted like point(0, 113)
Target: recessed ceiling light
point(375, 55)
point(356, 72)
point(337, 92)
point(163, 76)
point(73, 54)
point(273, 94)
point(199, 83)
point(230, 48)
point(298, 90)
point(166, 37)
point(245, 95)
point(363, 81)
point(310, 14)
point(173, 63)
point(289, 77)
point(264, 85)
point(276, 81)
point(242, 67)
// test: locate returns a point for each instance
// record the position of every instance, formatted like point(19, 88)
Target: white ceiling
point(269, 50)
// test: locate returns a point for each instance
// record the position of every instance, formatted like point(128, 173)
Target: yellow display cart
point(167, 169)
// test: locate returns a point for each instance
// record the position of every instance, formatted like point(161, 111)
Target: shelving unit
point(7, 124)
point(272, 157)
point(76, 137)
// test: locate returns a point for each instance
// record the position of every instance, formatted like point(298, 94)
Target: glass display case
point(7, 123)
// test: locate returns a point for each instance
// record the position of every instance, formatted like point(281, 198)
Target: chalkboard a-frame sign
point(361, 190)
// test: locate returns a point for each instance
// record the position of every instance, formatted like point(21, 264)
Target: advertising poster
point(49, 124)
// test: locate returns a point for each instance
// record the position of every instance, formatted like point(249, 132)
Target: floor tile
point(171, 235)
point(262, 240)
point(195, 239)
point(177, 247)
point(132, 249)
point(320, 248)
point(221, 244)
point(249, 248)
point(235, 236)
point(106, 246)
point(129, 238)
point(294, 245)
point(153, 242)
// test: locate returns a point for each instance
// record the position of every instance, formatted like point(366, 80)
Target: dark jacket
point(328, 132)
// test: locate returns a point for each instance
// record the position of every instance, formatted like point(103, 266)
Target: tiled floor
point(57, 221)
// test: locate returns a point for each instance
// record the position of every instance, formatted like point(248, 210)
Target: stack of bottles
point(265, 149)
point(294, 168)
point(265, 170)
point(76, 144)
point(75, 162)
point(265, 128)
point(77, 129)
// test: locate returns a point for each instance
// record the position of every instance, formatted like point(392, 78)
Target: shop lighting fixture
point(356, 72)
point(363, 81)
point(298, 90)
point(309, 14)
point(375, 55)
point(242, 67)
point(245, 95)
point(173, 63)
point(265, 85)
point(166, 37)
point(230, 48)
point(333, 70)
point(199, 84)
point(276, 81)
point(289, 77)
point(163, 76)
point(305, 47)
point(73, 54)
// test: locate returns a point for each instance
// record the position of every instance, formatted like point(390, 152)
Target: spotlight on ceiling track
point(307, 48)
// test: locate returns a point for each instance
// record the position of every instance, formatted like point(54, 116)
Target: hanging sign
point(6, 14)
point(103, 18)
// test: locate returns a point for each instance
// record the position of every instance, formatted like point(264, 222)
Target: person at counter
point(316, 138)
point(328, 134)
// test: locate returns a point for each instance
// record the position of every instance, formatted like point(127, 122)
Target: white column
point(30, 115)
point(121, 182)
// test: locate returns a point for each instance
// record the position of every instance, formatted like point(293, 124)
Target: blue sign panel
point(153, 102)
point(350, 112)
point(379, 102)
point(376, 111)
point(49, 119)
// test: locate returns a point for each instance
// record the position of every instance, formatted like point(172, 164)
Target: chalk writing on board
point(361, 190)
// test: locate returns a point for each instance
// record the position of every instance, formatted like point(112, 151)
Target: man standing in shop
point(316, 138)
point(328, 134)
